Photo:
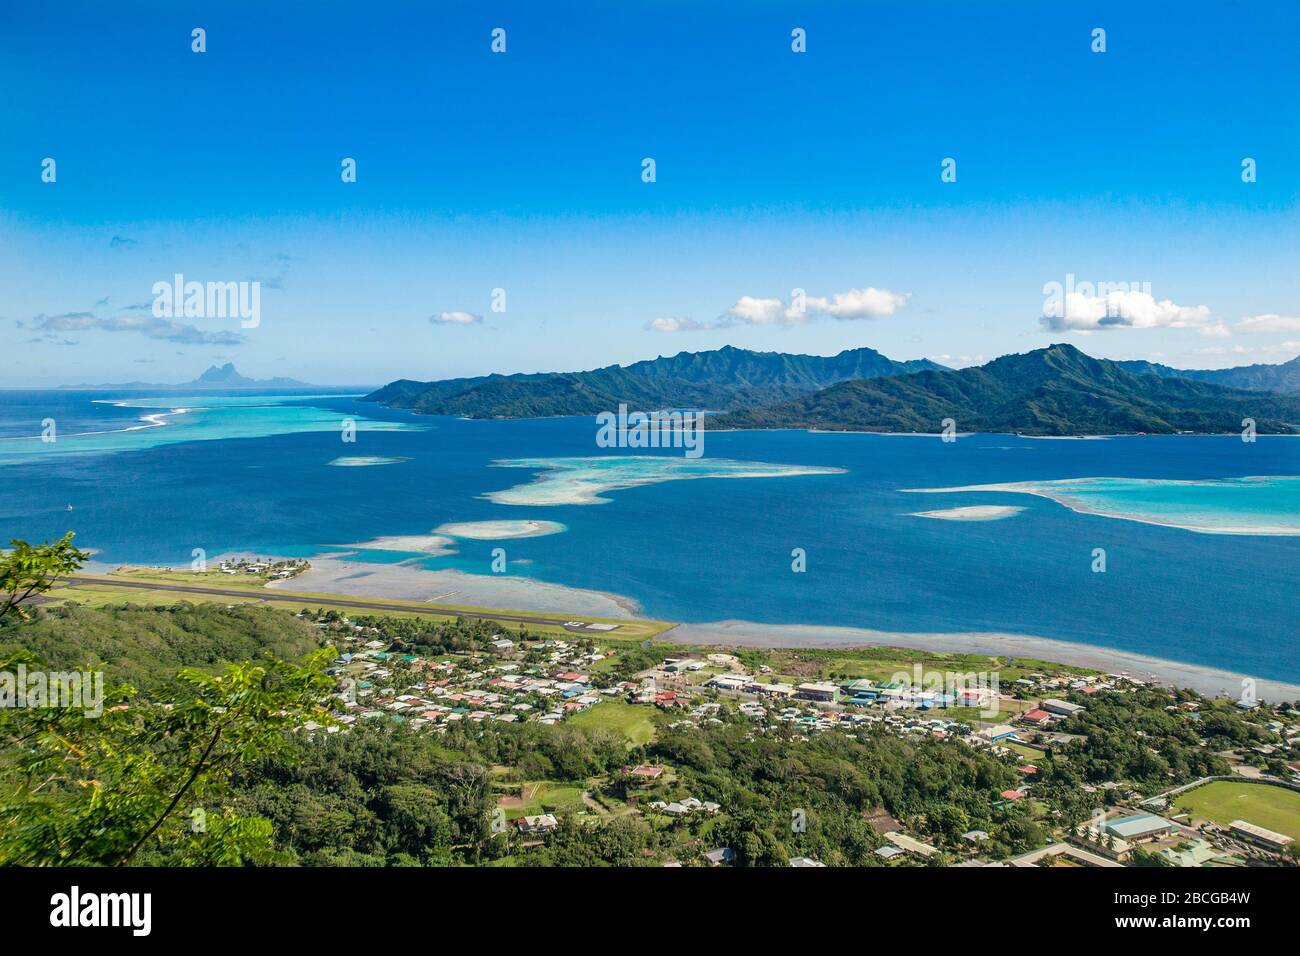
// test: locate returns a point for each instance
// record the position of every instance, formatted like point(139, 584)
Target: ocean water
point(710, 539)
point(95, 423)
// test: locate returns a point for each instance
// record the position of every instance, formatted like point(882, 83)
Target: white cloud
point(1269, 322)
point(868, 303)
point(758, 311)
point(455, 318)
point(1127, 310)
point(666, 324)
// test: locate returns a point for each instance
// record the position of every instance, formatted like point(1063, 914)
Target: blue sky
point(522, 171)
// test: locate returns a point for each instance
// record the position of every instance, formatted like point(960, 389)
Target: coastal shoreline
point(335, 573)
point(410, 582)
point(1211, 681)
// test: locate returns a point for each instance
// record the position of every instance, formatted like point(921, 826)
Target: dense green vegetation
point(378, 796)
point(384, 795)
point(381, 793)
point(725, 378)
point(27, 572)
point(1052, 391)
point(146, 646)
point(1135, 738)
point(147, 780)
point(96, 775)
point(814, 797)
point(1265, 378)
point(217, 744)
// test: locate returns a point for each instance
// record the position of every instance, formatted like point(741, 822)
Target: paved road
point(306, 600)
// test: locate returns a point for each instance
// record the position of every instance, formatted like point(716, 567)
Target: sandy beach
point(433, 545)
point(499, 530)
point(971, 513)
point(365, 461)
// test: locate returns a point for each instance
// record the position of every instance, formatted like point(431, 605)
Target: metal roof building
point(1138, 826)
point(1257, 834)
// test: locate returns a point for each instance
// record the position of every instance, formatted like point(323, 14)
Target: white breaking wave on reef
point(195, 418)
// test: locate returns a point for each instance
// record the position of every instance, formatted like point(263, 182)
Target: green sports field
point(1274, 808)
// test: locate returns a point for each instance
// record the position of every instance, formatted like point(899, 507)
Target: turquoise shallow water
point(1258, 505)
point(258, 476)
point(168, 420)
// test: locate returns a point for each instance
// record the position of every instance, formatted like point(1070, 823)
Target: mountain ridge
point(722, 378)
point(1057, 390)
point(1259, 377)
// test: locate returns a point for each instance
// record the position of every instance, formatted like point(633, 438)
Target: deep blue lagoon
point(243, 473)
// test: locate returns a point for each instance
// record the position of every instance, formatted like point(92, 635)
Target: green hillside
point(1053, 391)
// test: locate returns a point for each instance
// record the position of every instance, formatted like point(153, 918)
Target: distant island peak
point(215, 376)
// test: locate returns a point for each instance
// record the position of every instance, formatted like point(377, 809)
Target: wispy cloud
point(456, 318)
point(1269, 322)
point(957, 361)
point(1288, 349)
point(676, 324)
point(146, 325)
